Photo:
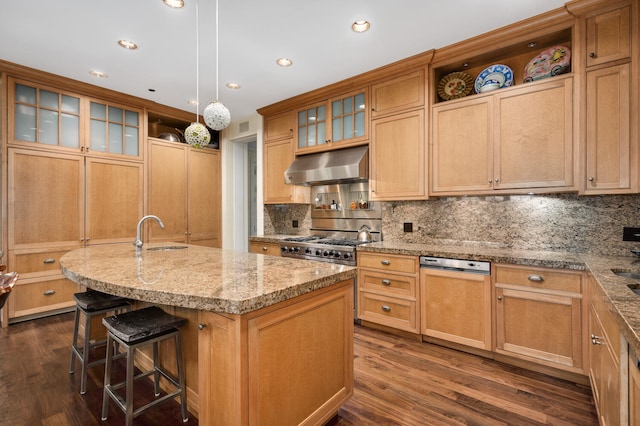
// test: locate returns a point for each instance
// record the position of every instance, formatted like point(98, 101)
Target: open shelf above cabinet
point(516, 55)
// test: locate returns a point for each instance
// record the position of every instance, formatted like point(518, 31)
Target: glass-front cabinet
point(333, 124)
point(50, 118)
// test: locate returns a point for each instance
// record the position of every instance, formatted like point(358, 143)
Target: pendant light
point(197, 134)
point(216, 115)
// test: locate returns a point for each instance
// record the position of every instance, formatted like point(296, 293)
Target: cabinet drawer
point(389, 262)
point(36, 296)
point(389, 284)
point(539, 278)
point(388, 311)
point(35, 264)
point(258, 247)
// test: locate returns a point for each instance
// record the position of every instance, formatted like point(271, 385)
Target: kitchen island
point(269, 339)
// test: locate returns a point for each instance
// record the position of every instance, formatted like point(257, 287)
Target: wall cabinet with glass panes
point(339, 122)
point(49, 118)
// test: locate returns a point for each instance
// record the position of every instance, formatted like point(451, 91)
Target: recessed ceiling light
point(360, 26)
point(234, 86)
point(176, 4)
point(129, 45)
point(284, 62)
point(98, 74)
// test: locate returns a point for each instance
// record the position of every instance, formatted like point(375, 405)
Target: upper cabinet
point(48, 118)
point(398, 94)
point(502, 116)
point(339, 122)
point(609, 36)
point(279, 126)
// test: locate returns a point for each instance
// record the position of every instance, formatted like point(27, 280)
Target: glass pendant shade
point(217, 116)
point(197, 135)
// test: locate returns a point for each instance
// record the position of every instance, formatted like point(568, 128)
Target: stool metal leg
point(156, 372)
point(85, 354)
point(183, 391)
point(129, 384)
point(107, 379)
point(74, 343)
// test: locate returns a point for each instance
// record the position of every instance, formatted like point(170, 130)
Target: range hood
point(344, 165)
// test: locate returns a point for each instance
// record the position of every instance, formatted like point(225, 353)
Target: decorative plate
point(499, 73)
point(552, 61)
point(455, 85)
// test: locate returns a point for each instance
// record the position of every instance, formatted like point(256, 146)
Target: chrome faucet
point(138, 242)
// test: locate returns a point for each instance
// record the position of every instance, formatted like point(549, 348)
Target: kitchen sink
point(627, 274)
point(163, 248)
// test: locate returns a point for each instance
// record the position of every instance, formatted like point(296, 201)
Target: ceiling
point(72, 37)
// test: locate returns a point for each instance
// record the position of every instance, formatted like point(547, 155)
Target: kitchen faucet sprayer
point(138, 242)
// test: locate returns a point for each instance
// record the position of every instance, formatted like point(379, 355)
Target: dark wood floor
point(398, 382)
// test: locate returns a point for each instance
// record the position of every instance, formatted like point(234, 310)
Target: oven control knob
point(307, 250)
point(290, 249)
point(318, 252)
point(325, 253)
point(284, 249)
point(348, 255)
point(296, 249)
point(336, 254)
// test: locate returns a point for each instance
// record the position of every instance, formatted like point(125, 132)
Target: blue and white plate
point(489, 74)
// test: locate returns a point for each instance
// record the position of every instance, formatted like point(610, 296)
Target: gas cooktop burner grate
point(332, 242)
point(301, 239)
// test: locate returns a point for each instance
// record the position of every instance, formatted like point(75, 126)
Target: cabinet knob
point(535, 278)
point(49, 260)
point(595, 340)
point(592, 54)
point(386, 282)
point(49, 292)
point(386, 308)
point(202, 326)
point(385, 262)
point(264, 248)
point(591, 179)
point(497, 180)
point(499, 297)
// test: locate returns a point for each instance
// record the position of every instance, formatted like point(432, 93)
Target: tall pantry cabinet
point(74, 178)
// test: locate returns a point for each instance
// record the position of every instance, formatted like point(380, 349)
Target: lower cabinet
point(272, 249)
point(634, 389)
point(605, 353)
point(388, 290)
point(538, 316)
point(456, 307)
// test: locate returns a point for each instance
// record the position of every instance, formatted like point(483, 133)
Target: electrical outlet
point(408, 227)
point(630, 234)
point(294, 224)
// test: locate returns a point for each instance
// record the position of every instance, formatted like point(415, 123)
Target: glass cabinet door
point(348, 117)
point(45, 116)
point(114, 129)
point(312, 126)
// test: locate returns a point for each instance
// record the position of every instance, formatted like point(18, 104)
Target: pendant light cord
point(198, 60)
point(217, 44)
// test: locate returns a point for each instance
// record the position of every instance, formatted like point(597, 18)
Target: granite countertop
point(624, 304)
point(211, 279)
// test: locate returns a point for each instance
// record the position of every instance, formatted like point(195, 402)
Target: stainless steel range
point(338, 212)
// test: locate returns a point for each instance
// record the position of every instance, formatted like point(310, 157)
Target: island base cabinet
point(290, 363)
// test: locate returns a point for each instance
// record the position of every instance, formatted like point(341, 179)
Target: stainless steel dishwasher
point(456, 301)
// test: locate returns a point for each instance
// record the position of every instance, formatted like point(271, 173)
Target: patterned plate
point(455, 85)
point(489, 74)
point(553, 61)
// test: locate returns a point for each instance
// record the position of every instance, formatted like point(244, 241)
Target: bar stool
point(91, 303)
point(133, 330)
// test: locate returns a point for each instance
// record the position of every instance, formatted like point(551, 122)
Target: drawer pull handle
point(595, 340)
point(385, 262)
point(49, 261)
point(386, 308)
point(536, 278)
point(49, 292)
point(386, 282)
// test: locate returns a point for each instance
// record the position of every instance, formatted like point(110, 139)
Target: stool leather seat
point(142, 324)
point(91, 303)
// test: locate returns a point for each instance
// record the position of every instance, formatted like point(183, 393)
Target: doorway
point(244, 193)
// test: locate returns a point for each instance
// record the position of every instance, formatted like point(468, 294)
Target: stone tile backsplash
point(563, 222)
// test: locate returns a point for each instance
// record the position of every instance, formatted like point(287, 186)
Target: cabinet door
point(204, 195)
point(534, 136)
point(634, 389)
point(608, 126)
point(398, 157)
point(462, 156)
point(539, 326)
point(114, 130)
point(456, 307)
point(45, 199)
point(114, 198)
point(609, 36)
point(279, 126)
point(313, 130)
point(167, 191)
point(398, 94)
point(278, 156)
point(349, 118)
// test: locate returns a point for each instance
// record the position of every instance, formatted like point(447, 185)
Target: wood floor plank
point(398, 381)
